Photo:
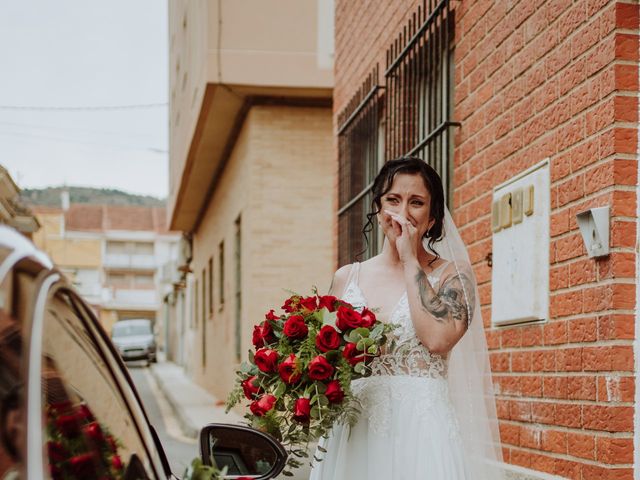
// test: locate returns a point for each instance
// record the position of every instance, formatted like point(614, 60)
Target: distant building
point(252, 168)
point(114, 255)
point(12, 211)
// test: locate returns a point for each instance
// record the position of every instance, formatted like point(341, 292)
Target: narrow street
point(179, 449)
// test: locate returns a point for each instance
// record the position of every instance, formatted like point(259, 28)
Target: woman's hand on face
point(406, 233)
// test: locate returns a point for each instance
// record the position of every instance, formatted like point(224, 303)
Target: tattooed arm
point(441, 317)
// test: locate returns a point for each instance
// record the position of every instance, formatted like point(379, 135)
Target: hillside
point(97, 196)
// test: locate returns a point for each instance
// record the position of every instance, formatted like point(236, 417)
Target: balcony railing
point(132, 298)
point(134, 261)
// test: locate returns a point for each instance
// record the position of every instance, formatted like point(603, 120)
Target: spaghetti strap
point(353, 274)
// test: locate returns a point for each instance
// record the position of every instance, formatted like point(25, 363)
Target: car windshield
point(131, 329)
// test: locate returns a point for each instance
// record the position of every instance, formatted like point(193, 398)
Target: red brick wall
point(539, 79)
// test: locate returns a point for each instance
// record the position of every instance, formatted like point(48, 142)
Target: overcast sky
point(85, 53)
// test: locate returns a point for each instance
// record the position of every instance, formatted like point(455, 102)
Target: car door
point(81, 372)
point(83, 418)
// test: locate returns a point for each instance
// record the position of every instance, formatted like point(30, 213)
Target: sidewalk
point(192, 405)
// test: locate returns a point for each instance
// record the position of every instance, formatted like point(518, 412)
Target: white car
point(68, 408)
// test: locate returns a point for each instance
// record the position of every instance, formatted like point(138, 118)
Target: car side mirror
point(243, 450)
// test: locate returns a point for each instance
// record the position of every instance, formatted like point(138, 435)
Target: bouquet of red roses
point(298, 379)
point(79, 446)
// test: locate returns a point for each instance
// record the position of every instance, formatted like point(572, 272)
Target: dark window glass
point(360, 156)
point(89, 430)
point(238, 289)
point(211, 288)
point(221, 273)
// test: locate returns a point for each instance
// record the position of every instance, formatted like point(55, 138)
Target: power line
point(90, 108)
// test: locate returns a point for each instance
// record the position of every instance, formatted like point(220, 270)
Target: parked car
point(134, 339)
point(68, 408)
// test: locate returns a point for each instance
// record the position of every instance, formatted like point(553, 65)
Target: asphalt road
point(180, 450)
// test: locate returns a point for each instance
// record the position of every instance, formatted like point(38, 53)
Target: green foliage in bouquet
point(298, 380)
point(199, 471)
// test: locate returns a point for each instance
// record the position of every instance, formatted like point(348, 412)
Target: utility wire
point(89, 108)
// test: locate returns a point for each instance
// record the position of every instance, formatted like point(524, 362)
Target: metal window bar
point(359, 158)
point(419, 82)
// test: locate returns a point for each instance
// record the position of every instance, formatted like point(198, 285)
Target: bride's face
point(409, 197)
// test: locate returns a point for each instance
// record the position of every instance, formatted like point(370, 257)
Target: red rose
point(57, 452)
point(84, 465)
point(328, 302)
point(320, 369)
point(295, 327)
point(113, 446)
point(271, 315)
point(368, 318)
point(334, 392)
point(309, 303)
point(85, 412)
point(116, 462)
point(93, 431)
point(68, 425)
point(266, 360)
point(348, 318)
point(249, 387)
point(350, 352)
point(327, 339)
point(262, 405)
point(61, 407)
point(263, 334)
point(287, 370)
point(291, 304)
point(302, 410)
point(55, 472)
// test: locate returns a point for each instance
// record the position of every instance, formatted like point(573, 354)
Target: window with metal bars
point(360, 156)
point(419, 89)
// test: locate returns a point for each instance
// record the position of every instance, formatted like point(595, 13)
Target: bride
point(428, 410)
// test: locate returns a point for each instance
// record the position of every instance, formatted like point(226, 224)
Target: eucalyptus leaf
point(363, 332)
point(377, 330)
point(359, 368)
point(280, 389)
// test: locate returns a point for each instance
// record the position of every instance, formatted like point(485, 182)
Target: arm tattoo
point(450, 302)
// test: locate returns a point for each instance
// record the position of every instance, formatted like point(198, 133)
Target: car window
point(122, 329)
point(90, 432)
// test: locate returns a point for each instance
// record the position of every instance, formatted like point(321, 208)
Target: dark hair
point(433, 183)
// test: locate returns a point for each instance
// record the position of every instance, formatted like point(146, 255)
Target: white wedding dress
point(407, 429)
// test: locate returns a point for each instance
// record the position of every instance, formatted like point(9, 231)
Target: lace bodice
point(403, 354)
